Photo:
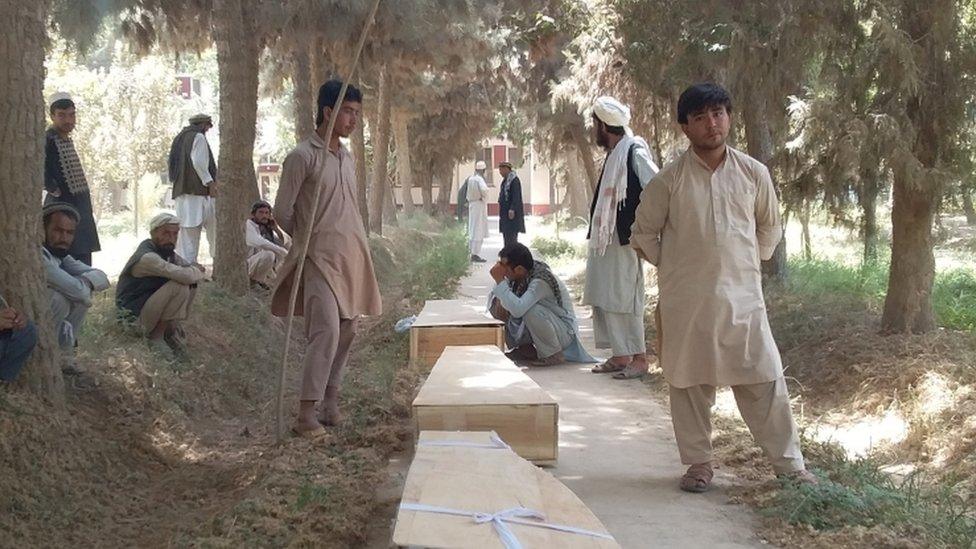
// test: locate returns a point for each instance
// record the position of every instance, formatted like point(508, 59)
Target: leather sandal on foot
point(309, 433)
point(631, 372)
point(697, 479)
point(607, 367)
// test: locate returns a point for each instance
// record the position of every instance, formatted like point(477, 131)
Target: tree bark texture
point(381, 151)
point(401, 134)
point(586, 155)
point(759, 141)
point(967, 206)
point(305, 99)
point(238, 53)
point(23, 37)
point(868, 201)
point(933, 112)
point(576, 188)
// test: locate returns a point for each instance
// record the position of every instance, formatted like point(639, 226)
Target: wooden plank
point(455, 312)
point(487, 480)
point(427, 343)
point(478, 389)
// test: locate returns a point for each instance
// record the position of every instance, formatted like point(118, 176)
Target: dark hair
point(328, 94)
point(615, 130)
point(62, 104)
point(258, 205)
point(48, 211)
point(517, 254)
point(702, 96)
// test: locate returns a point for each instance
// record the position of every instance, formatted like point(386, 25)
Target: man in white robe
point(477, 196)
point(705, 221)
point(193, 173)
point(614, 276)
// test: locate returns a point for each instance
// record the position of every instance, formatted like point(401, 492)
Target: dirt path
point(616, 452)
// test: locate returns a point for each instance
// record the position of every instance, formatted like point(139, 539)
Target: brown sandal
point(697, 479)
point(631, 372)
point(608, 367)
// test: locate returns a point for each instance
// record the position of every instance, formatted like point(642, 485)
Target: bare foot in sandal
point(635, 370)
point(697, 479)
point(610, 365)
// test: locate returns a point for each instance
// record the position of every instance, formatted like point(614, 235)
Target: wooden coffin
point(452, 322)
point(477, 388)
point(471, 479)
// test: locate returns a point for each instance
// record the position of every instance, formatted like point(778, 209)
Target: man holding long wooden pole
point(337, 283)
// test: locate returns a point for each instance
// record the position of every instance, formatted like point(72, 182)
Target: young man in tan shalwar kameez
point(338, 283)
point(705, 221)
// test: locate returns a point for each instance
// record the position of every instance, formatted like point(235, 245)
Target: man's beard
point(166, 251)
point(59, 253)
point(601, 140)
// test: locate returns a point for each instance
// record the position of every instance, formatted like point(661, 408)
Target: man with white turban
point(477, 197)
point(614, 276)
point(193, 173)
point(157, 286)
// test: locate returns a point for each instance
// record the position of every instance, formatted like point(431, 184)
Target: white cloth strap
point(496, 443)
point(501, 519)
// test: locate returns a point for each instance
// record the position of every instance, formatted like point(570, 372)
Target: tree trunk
point(401, 133)
point(381, 151)
point(359, 150)
point(135, 206)
point(967, 206)
point(319, 65)
point(908, 305)
point(238, 56)
point(23, 37)
point(805, 225)
point(586, 155)
point(427, 192)
point(759, 139)
point(390, 208)
point(304, 94)
point(868, 199)
point(576, 188)
point(445, 188)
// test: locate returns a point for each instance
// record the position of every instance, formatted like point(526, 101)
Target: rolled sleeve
point(517, 306)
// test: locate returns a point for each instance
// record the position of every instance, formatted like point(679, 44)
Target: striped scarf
point(542, 272)
point(74, 174)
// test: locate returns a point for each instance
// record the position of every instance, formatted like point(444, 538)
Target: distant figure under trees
point(193, 174)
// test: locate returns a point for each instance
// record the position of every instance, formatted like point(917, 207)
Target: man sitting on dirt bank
point(157, 286)
point(705, 221)
point(70, 281)
point(18, 336)
point(267, 245)
point(537, 309)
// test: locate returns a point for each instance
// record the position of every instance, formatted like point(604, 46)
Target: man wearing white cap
point(614, 276)
point(477, 195)
point(64, 178)
point(157, 286)
point(706, 222)
point(193, 173)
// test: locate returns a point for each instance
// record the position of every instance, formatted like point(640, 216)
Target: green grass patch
point(552, 249)
point(859, 493)
point(953, 294)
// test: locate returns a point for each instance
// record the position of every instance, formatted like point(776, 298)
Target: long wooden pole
point(306, 236)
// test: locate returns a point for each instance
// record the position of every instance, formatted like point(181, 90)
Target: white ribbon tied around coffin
point(496, 443)
point(501, 519)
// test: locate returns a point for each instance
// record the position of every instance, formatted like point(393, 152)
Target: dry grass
point(162, 453)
